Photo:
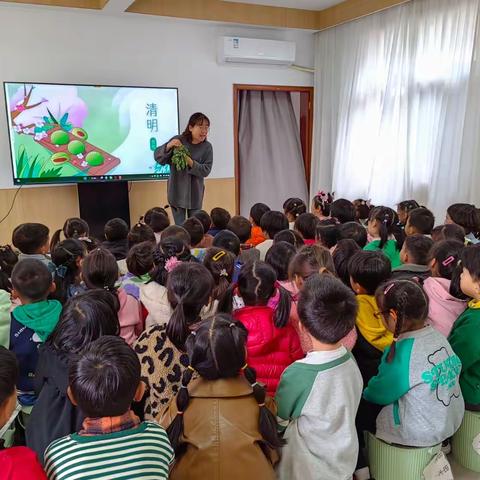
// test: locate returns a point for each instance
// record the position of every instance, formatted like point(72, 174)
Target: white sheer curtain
point(397, 106)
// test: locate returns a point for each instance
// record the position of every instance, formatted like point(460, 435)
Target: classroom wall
point(41, 44)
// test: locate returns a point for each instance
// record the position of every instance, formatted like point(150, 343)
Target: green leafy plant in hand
point(179, 157)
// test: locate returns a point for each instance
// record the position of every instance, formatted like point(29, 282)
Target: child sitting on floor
point(32, 239)
point(306, 225)
point(112, 443)
point(318, 396)
point(272, 223)
point(220, 218)
point(415, 258)
point(31, 322)
point(222, 409)
point(418, 379)
point(17, 463)
point(420, 221)
point(465, 336)
point(256, 214)
point(242, 228)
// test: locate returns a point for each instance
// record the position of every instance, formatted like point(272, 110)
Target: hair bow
point(61, 271)
point(171, 263)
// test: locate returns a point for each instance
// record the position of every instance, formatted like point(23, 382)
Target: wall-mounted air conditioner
point(254, 50)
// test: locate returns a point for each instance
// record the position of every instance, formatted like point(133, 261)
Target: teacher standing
point(186, 187)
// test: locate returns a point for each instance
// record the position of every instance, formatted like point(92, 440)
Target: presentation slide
point(80, 133)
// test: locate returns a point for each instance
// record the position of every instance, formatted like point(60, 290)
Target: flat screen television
point(88, 133)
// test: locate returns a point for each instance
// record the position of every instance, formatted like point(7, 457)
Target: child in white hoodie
point(446, 300)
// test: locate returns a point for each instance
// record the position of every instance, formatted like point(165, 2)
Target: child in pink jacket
point(446, 300)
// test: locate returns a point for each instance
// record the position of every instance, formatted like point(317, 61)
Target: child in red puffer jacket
point(272, 343)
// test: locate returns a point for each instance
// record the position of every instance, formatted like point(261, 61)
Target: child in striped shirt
point(113, 443)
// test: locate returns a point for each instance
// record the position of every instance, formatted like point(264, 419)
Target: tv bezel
point(74, 180)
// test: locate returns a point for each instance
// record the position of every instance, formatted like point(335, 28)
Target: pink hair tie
point(171, 263)
point(388, 288)
point(448, 261)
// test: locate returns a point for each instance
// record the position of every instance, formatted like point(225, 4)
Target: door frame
point(306, 126)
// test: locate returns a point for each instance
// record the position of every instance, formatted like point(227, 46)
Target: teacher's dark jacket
point(185, 187)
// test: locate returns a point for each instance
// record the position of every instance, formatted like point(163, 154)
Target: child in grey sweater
point(318, 396)
point(418, 378)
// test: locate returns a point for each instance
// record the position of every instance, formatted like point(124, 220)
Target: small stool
point(393, 462)
point(462, 442)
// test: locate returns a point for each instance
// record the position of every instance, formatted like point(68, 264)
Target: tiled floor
point(460, 473)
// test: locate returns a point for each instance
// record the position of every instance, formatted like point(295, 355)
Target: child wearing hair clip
point(418, 379)
point(263, 306)
point(221, 424)
point(446, 299)
point(321, 205)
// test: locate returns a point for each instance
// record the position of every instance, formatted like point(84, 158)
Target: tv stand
point(100, 202)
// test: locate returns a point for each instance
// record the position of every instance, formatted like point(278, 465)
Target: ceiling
point(300, 4)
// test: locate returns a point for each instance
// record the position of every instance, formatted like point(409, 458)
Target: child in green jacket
point(465, 335)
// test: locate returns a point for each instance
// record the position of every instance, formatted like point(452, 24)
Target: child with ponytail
point(153, 295)
point(321, 205)
point(446, 299)
point(161, 348)
point(318, 396)
point(75, 228)
point(100, 270)
point(264, 306)
point(221, 407)
point(221, 264)
point(418, 380)
point(67, 257)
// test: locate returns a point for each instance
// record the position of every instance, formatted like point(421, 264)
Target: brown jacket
point(221, 433)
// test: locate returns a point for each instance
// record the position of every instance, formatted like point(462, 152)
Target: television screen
point(81, 133)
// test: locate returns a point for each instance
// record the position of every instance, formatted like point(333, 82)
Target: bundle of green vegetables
point(179, 157)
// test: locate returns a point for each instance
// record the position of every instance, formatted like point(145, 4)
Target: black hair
point(241, 227)
point(32, 279)
point(257, 282)
point(362, 209)
point(72, 228)
point(100, 270)
point(194, 228)
point(470, 259)
point(189, 288)
point(105, 378)
point(220, 263)
point(273, 222)
point(157, 219)
point(342, 254)
point(306, 225)
point(8, 259)
point(84, 318)
point(257, 211)
point(418, 248)
point(369, 269)
point(323, 201)
point(115, 229)
point(294, 207)
point(278, 257)
point(407, 206)
point(140, 259)
point(465, 215)
point(327, 308)
point(289, 236)
point(176, 231)
point(8, 374)
point(218, 350)
point(140, 233)
point(220, 218)
point(343, 210)
point(204, 217)
point(388, 225)
point(450, 231)
point(422, 220)
point(29, 238)
point(327, 235)
point(197, 118)
point(408, 299)
point(168, 248)
point(227, 240)
point(321, 254)
point(447, 255)
point(353, 230)
point(67, 271)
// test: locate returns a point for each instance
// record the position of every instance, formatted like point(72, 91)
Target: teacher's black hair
point(196, 119)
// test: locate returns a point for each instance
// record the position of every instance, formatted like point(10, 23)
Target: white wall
point(58, 45)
